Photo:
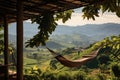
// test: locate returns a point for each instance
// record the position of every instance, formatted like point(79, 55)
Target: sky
point(77, 20)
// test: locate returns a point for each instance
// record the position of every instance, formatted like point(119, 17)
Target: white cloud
point(77, 19)
point(28, 20)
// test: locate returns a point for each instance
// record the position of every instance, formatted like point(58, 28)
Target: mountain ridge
point(32, 29)
point(74, 36)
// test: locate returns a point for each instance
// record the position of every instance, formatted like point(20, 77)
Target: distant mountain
point(74, 39)
point(12, 39)
point(65, 36)
point(96, 32)
point(90, 30)
point(29, 29)
point(53, 44)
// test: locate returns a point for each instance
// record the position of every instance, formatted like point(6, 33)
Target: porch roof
point(36, 7)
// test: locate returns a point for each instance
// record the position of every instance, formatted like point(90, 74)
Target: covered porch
point(20, 10)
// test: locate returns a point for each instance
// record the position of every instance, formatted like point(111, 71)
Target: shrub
point(116, 70)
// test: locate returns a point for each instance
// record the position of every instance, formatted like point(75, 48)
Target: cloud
point(28, 21)
point(77, 19)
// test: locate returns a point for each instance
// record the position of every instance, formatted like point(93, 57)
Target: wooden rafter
point(37, 7)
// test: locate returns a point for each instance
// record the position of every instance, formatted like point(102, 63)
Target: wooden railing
point(3, 68)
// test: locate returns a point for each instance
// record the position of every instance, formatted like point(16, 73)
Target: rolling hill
point(65, 36)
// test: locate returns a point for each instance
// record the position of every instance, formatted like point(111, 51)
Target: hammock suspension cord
point(74, 63)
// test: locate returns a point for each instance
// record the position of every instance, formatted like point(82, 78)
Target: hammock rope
point(74, 63)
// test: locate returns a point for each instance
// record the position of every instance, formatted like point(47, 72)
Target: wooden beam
point(6, 48)
point(19, 39)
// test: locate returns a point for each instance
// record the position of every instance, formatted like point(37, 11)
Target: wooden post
point(6, 47)
point(19, 40)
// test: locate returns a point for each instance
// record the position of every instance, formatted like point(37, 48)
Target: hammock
point(74, 63)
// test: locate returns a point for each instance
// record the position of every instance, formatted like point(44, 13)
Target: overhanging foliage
point(47, 21)
point(47, 24)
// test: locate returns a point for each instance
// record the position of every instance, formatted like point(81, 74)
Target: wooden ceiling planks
point(36, 7)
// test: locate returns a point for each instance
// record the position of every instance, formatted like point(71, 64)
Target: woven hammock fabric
point(74, 63)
